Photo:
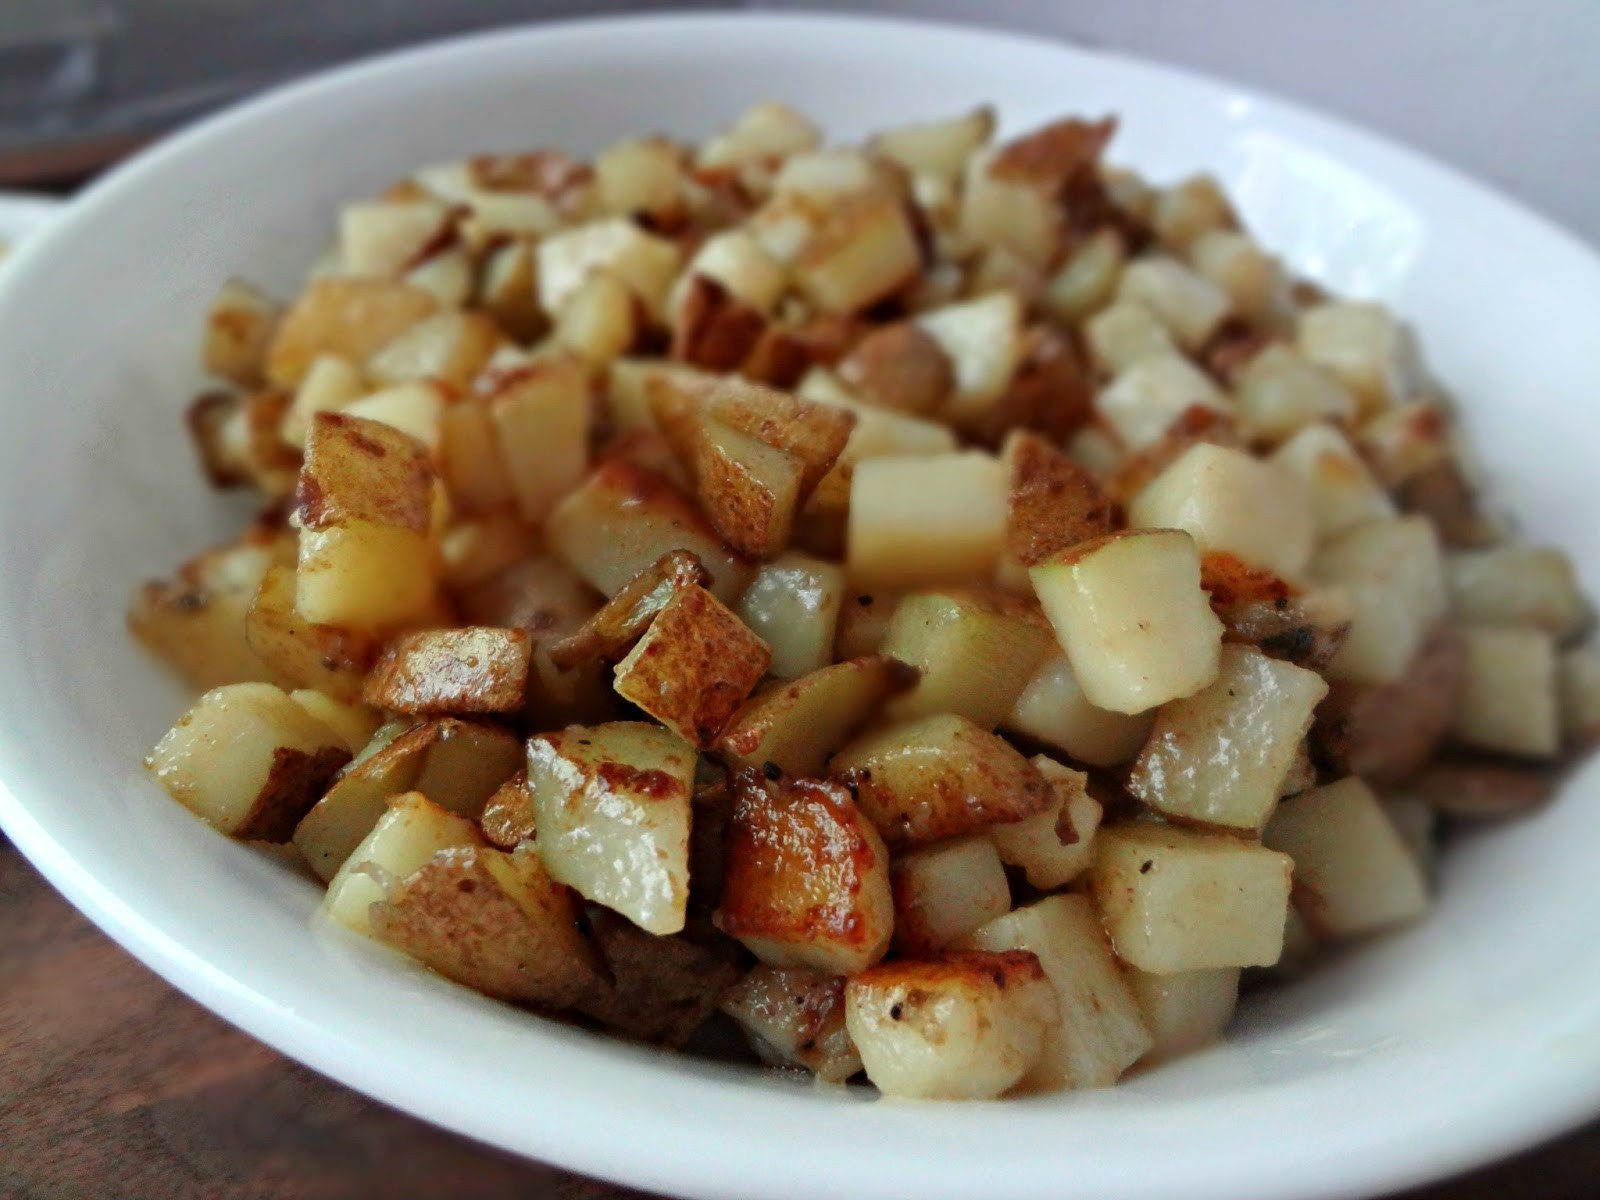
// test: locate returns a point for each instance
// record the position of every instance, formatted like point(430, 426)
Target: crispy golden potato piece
point(353, 318)
point(239, 443)
point(509, 817)
point(694, 666)
point(794, 1017)
point(239, 327)
point(495, 922)
point(806, 878)
point(715, 330)
point(939, 777)
point(1053, 503)
point(478, 669)
point(814, 433)
point(457, 765)
point(1387, 732)
point(795, 726)
point(300, 654)
point(247, 760)
point(623, 619)
point(659, 989)
point(901, 367)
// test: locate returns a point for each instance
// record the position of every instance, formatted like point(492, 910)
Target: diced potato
point(447, 275)
point(247, 760)
point(610, 633)
point(476, 669)
point(367, 561)
point(1188, 304)
point(1013, 194)
point(354, 723)
point(479, 548)
point(646, 263)
point(541, 418)
point(492, 921)
point(239, 328)
point(737, 261)
point(415, 409)
point(238, 438)
point(861, 250)
point(643, 177)
point(509, 816)
point(474, 471)
point(1186, 1011)
point(806, 880)
point(1406, 441)
point(1578, 680)
point(1394, 573)
point(1342, 489)
point(919, 521)
point(1365, 346)
point(863, 624)
point(448, 346)
point(195, 621)
point(1254, 281)
point(1054, 504)
point(794, 1017)
point(768, 130)
point(1148, 396)
point(901, 367)
point(793, 605)
point(1186, 210)
point(329, 385)
point(1129, 612)
point(939, 148)
point(965, 1027)
point(1053, 709)
point(1056, 844)
point(349, 317)
point(1177, 901)
point(406, 838)
point(612, 807)
point(1280, 392)
point(1220, 756)
point(1102, 1032)
point(1234, 502)
point(382, 239)
point(507, 292)
point(1123, 334)
point(693, 667)
point(796, 726)
point(299, 653)
point(1517, 585)
point(457, 765)
point(938, 777)
point(1087, 279)
point(1353, 872)
point(942, 893)
point(976, 651)
point(622, 518)
point(1510, 702)
point(597, 321)
point(982, 338)
point(813, 433)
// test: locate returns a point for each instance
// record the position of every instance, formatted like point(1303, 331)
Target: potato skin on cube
point(794, 1016)
point(806, 880)
point(693, 667)
point(476, 669)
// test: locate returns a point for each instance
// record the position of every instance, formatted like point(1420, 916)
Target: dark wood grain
point(112, 1084)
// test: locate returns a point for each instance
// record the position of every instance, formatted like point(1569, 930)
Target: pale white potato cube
point(1280, 392)
point(1086, 281)
point(982, 338)
point(1517, 584)
point(793, 605)
point(939, 148)
point(921, 520)
point(768, 130)
point(826, 174)
point(966, 1027)
point(1053, 709)
point(644, 175)
point(1510, 702)
point(1367, 347)
point(1186, 1011)
point(1055, 846)
point(1231, 501)
point(382, 238)
point(404, 840)
point(353, 723)
point(1102, 1032)
point(452, 347)
point(597, 322)
point(1578, 679)
point(414, 408)
point(329, 384)
point(945, 891)
point(1017, 214)
point(1145, 399)
point(1353, 871)
point(736, 261)
point(1175, 900)
point(1188, 304)
point(1183, 212)
point(1122, 334)
point(1221, 756)
point(646, 263)
point(449, 276)
point(1393, 571)
point(1341, 487)
point(1252, 279)
point(1130, 614)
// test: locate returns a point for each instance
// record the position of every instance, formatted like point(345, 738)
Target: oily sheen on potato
point(950, 606)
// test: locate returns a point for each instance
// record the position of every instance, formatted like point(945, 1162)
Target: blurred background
point(1506, 89)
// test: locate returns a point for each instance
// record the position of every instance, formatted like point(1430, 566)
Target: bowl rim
point(1529, 1102)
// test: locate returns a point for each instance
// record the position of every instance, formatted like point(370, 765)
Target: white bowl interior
point(1468, 1035)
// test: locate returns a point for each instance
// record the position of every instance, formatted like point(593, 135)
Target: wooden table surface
point(112, 1084)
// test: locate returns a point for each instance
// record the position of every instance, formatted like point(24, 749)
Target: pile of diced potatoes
point(946, 605)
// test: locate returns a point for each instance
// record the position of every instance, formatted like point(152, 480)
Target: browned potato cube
point(623, 619)
point(300, 654)
point(495, 922)
point(944, 892)
point(794, 1017)
point(478, 669)
point(901, 367)
point(1053, 504)
point(239, 442)
point(350, 317)
point(509, 816)
point(861, 250)
point(474, 470)
point(939, 777)
point(239, 327)
point(541, 417)
point(694, 666)
point(806, 880)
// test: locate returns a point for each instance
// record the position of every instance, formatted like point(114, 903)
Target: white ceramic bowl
point(1467, 1037)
